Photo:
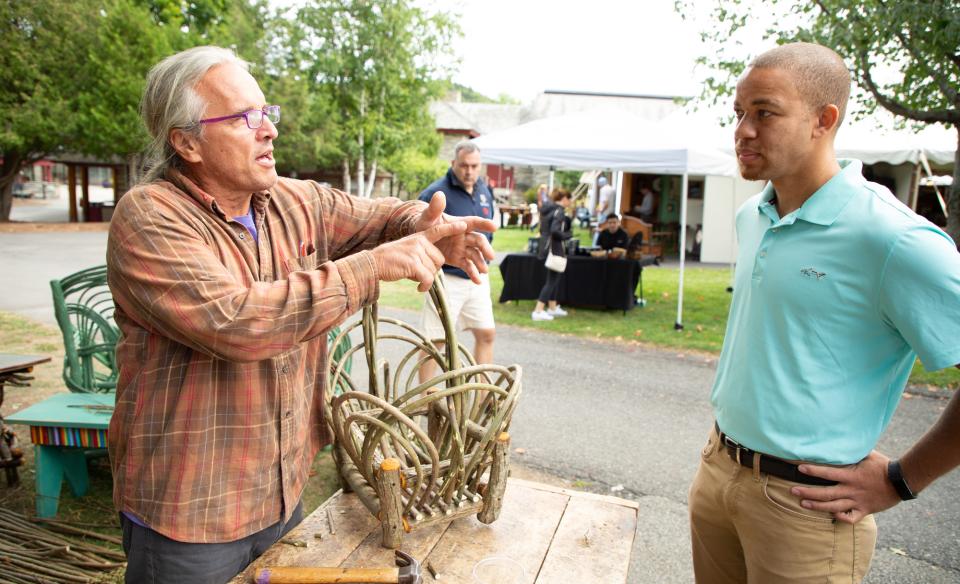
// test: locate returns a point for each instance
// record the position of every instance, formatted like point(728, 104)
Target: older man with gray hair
point(226, 279)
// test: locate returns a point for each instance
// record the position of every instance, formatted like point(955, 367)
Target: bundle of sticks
point(36, 550)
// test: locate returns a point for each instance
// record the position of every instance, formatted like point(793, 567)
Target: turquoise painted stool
point(64, 428)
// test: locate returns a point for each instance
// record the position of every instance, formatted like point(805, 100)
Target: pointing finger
point(438, 232)
point(479, 224)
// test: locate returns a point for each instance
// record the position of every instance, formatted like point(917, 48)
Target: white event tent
point(618, 141)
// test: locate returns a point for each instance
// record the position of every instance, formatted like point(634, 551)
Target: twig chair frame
point(420, 453)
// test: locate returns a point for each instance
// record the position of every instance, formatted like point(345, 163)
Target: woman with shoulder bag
point(554, 230)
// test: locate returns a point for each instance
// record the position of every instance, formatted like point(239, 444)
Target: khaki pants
point(746, 527)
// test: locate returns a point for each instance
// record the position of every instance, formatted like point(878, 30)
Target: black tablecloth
point(587, 281)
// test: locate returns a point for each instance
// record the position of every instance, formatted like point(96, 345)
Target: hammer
point(406, 572)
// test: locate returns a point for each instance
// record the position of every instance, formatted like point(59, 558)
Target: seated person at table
point(612, 234)
point(648, 205)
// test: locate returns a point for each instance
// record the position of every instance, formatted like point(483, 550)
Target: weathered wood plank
point(418, 543)
point(592, 544)
point(352, 523)
point(541, 526)
point(523, 532)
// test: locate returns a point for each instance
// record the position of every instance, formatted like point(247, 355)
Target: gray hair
point(465, 146)
point(170, 101)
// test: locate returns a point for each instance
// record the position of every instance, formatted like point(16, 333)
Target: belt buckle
point(737, 448)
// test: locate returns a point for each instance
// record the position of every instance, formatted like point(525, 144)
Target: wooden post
point(116, 182)
point(493, 495)
point(388, 490)
point(85, 192)
point(72, 190)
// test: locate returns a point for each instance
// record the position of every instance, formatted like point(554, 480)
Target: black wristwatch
point(895, 474)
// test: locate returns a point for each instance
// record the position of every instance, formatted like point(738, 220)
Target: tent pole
point(593, 193)
point(683, 250)
point(550, 181)
point(618, 184)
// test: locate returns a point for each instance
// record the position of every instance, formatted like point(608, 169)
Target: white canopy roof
point(871, 140)
point(865, 141)
point(614, 140)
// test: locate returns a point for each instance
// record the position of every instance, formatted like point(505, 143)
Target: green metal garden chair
point(84, 309)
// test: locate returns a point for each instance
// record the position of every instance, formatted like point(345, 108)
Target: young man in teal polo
point(839, 287)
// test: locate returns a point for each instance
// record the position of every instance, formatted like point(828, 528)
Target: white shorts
point(470, 306)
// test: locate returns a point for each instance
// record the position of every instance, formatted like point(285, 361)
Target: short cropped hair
point(821, 76)
point(611, 216)
point(560, 194)
point(170, 101)
point(464, 146)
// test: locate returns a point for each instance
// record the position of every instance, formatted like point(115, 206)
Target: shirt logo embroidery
point(812, 273)
point(483, 198)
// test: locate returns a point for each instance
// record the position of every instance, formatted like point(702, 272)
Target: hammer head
point(409, 569)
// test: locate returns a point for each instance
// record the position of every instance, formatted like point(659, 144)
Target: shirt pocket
point(302, 264)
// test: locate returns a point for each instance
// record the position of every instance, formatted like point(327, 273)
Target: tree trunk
point(12, 163)
point(372, 180)
point(953, 203)
point(346, 176)
point(6, 199)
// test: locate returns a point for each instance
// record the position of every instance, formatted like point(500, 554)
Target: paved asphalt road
point(606, 416)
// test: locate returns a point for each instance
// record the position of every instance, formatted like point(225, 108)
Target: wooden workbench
point(557, 535)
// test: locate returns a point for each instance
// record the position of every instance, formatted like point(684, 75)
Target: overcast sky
point(522, 47)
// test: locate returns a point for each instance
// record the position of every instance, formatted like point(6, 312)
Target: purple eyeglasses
point(254, 117)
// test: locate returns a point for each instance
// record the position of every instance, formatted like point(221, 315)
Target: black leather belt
point(768, 464)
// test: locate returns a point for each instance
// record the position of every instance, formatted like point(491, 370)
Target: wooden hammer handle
point(327, 575)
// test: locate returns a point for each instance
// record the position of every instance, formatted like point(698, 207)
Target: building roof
point(477, 119)
point(481, 118)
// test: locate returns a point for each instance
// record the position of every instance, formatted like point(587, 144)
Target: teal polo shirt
point(831, 305)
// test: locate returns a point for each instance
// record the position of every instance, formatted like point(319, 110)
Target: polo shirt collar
point(825, 205)
point(452, 177)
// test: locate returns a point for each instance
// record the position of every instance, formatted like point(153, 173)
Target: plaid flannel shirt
point(223, 345)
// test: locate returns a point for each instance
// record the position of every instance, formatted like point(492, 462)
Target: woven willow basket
point(414, 453)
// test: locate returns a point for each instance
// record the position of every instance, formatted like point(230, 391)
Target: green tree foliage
point(35, 84)
point(375, 60)
point(568, 179)
point(903, 56)
point(72, 73)
point(415, 167)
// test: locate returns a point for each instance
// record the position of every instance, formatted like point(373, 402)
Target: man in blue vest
point(839, 287)
point(469, 304)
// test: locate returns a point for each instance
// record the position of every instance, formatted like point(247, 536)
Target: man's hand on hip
point(863, 489)
point(466, 250)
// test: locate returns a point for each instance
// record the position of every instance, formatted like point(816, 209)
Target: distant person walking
point(605, 198)
point(554, 230)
